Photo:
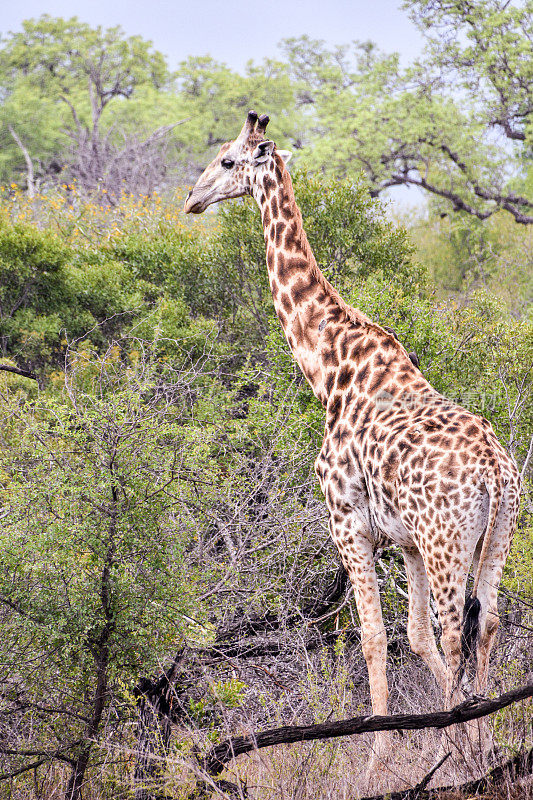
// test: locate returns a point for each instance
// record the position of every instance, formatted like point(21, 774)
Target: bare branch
point(17, 371)
point(474, 708)
point(527, 460)
point(520, 765)
point(461, 205)
point(29, 163)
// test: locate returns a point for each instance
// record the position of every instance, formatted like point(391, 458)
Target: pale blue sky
point(233, 30)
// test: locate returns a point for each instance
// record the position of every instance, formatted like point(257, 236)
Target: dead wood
point(164, 699)
point(518, 767)
point(17, 371)
point(270, 621)
point(474, 708)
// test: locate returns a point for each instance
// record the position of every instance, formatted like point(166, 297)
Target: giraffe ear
point(285, 154)
point(262, 152)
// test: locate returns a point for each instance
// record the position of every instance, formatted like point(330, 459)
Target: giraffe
point(399, 463)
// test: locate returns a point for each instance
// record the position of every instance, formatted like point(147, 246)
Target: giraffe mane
point(354, 314)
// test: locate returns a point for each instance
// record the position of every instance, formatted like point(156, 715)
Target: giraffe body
point(399, 463)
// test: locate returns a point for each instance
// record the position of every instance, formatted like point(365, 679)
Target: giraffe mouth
point(197, 208)
point(197, 202)
point(193, 206)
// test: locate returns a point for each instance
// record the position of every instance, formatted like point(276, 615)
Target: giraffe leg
point(487, 593)
point(356, 551)
point(450, 604)
point(489, 581)
point(446, 572)
point(419, 629)
point(448, 588)
point(488, 628)
point(489, 622)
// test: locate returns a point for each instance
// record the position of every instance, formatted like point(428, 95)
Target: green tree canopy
point(94, 104)
point(455, 124)
point(65, 74)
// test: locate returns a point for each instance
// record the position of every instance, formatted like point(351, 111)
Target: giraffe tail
point(470, 630)
point(472, 606)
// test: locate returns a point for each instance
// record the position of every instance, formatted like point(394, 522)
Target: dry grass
point(336, 769)
point(332, 685)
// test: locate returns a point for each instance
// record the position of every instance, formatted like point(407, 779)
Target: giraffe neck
point(310, 310)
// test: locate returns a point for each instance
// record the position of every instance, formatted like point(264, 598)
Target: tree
point(434, 125)
point(92, 581)
point(486, 46)
point(211, 97)
point(483, 47)
point(69, 74)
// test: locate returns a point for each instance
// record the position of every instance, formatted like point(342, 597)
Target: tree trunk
point(78, 770)
point(100, 651)
point(30, 176)
point(78, 773)
point(153, 738)
point(153, 730)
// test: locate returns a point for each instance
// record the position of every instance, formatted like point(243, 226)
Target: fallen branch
point(421, 785)
point(271, 621)
point(518, 767)
point(24, 372)
point(220, 754)
point(164, 699)
point(417, 792)
point(264, 648)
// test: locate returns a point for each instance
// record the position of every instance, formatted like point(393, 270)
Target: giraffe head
point(235, 169)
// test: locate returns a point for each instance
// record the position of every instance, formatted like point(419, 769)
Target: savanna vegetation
point(166, 576)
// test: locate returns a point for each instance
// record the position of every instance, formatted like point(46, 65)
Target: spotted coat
point(399, 464)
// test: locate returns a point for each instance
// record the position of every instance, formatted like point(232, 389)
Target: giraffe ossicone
point(423, 473)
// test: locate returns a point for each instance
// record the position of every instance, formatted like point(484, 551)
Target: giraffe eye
point(227, 163)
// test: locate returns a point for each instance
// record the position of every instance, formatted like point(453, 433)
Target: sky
point(233, 31)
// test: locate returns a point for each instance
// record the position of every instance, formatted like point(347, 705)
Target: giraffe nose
point(186, 204)
point(194, 204)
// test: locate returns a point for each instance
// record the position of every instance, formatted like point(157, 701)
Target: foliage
point(456, 123)
point(212, 97)
point(463, 254)
point(93, 546)
point(158, 489)
point(79, 277)
point(68, 74)
point(413, 126)
point(491, 57)
point(157, 492)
